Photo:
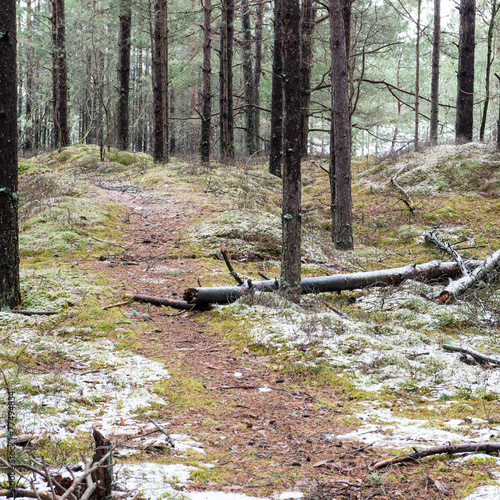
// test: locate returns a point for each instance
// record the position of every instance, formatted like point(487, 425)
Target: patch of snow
point(491, 492)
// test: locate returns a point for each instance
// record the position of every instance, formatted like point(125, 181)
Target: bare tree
point(9, 248)
point(291, 216)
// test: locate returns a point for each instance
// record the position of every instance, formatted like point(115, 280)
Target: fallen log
point(482, 358)
point(460, 286)
point(430, 271)
point(451, 449)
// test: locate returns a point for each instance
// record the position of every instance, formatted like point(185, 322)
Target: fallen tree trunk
point(430, 271)
point(460, 286)
point(438, 450)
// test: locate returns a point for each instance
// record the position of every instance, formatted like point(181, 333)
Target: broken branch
point(161, 301)
point(476, 355)
point(445, 247)
point(438, 450)
point(460, 286)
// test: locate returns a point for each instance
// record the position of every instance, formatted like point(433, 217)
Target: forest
point(249, 249)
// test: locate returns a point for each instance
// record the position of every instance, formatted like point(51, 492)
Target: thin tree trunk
point(164, 78)
point(291, 215)
point(226, 82)
point(248, 79)
point(276, 139)
point(124, 45)
point(489, 61)
point(10, 295)
point(59, 75)
point(257, 72)
point(206, 110)
point(340, 169)
point(308, 26)
point(465, 75)
point(436, 42)
point(417, 75)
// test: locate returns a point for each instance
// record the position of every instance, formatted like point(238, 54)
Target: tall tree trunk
point(465, 75)
point(164, 79)
point(124, 44)
point(308, 26)
point(276, 139)
point(291, 216)
point(248, 78)
point(257, 71)
point(417, 75)
point(157, 73)
point(340, 143)
point(28, 141)
point(10, 295)
point(206, 109)
point(489, 61)
point(59, 75)
point(226, 81)
point(436, 42)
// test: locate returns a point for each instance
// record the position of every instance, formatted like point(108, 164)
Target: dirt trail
point(264, 432)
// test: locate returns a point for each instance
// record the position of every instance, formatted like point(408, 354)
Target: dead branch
point(430, 271)
point(34, 313)
point(118, 304)
point(451, 449)
point(162, 301)
point(476, 355)
point(169, 440)
point(406, 197)
point(430, 237)
point(460, 286)
point(232, 272)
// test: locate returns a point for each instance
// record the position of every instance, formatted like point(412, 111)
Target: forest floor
point(251, 414)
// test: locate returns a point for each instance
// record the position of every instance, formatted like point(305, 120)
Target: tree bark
point(430, 271)
point(226, 82)
point(291, 215)
point(308, 26)
point(436, 42)
point(206, 110)
point(340, 166)
point(59, 75)
point(10, 295)
point(465, 75)
point(124, 45)
point(164, 79)
point(276, 139)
